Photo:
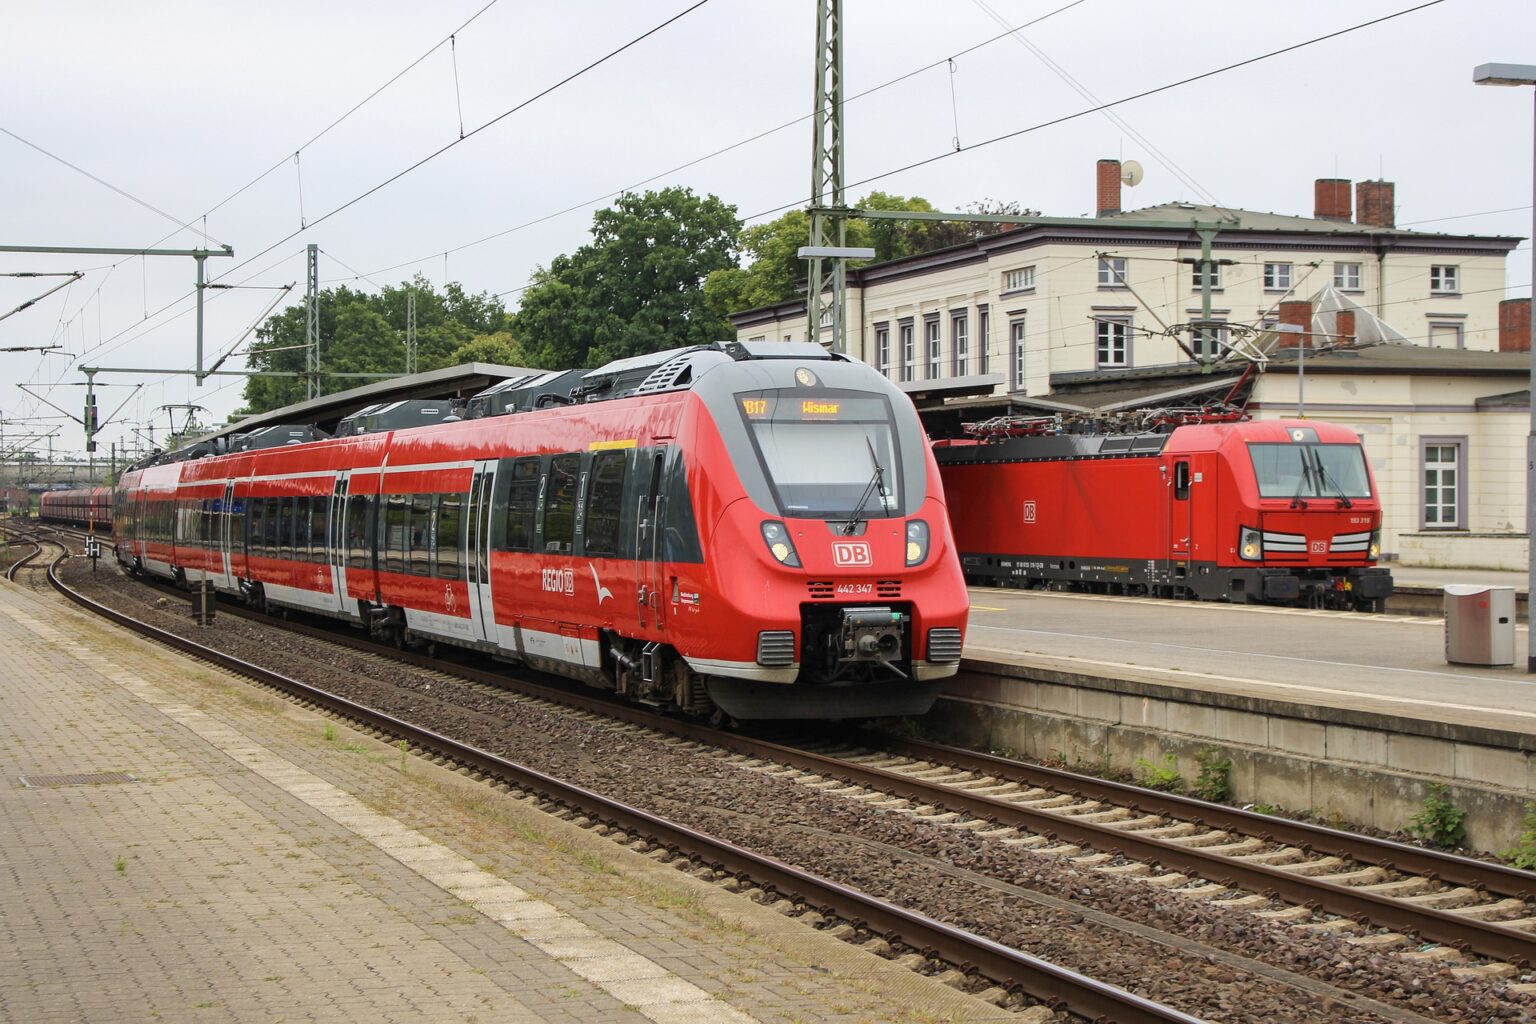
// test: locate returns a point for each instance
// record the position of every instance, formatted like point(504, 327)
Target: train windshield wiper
point(1304, 483)
point(876, 483)
point(1324, 478)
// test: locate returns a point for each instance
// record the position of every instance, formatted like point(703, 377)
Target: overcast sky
point(181, 104)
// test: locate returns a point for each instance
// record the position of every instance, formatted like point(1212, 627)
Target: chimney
point(1330, 199)
point(1376, 204)
point(1108, 187)
point(1299, 313)
point(1515, 325)
point(1344, 327)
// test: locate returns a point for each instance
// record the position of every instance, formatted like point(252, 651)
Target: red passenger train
point(1269, 511)
point(757, 529)
point(90, 507)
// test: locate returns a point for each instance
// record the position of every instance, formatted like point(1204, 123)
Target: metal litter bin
point(1479, 624)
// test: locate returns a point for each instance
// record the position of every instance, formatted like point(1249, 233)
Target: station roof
point(327, 411)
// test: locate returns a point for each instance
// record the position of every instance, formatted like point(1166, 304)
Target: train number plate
point(855, 588)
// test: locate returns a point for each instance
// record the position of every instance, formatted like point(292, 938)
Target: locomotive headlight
point(1375, 549)
point(917, 542)
point(779, 544)
point(1250, 544)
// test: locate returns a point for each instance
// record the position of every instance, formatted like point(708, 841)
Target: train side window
point(522, 503)
point(680, 531)
point(450, 535)
point(255, 539)
point(560, 503)
point(319, 519)
point(358, 545)
point(285, 528)
point(605, 503)
point(421, 534)
point(1181, 480)
point(392, 544)
point(271, 526)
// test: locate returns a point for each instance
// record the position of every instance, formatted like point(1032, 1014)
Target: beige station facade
point(1429, 364)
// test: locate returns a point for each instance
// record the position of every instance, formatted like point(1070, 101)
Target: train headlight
point(1375, 548)
point(779, 544)
point(1250, 544)
point(917, 542)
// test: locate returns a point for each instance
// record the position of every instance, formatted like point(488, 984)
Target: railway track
point(1375, 893)
point(1049, 984)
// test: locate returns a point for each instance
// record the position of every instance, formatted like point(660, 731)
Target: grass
point(121, 865)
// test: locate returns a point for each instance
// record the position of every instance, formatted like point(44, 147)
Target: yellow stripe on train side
point(603, 446)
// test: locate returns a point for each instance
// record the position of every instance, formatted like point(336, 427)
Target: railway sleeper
point(1487, 972)
point(1292, 914)
point(1489, 911)
point(1201, 839)
point(1172, 880)
point(1381, 940)
point(1133, 869)
point(1360, 876)
point(1445, 899)
point(1311, 868)
point(1205, 890)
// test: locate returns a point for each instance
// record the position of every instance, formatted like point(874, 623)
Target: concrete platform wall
point(1350, 766)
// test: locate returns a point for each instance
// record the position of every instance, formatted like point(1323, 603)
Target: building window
point(883, 349)
point(760, 337)
point(1442, 474)
point(983, 337)
point(1018, 280)
point(1346, 276)
point(908, 350)
point(1114, 342)
point(1208, 342)
point(1277, 277)
point(1199, 278)
point(1445, 335)
point(1112, 272)
point(960, 343)
point(1444, 280)
point(932, 344)
point(1016, 352)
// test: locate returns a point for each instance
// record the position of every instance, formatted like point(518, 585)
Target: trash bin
point(1479, 624)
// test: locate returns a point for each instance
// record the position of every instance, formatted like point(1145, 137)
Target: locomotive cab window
point(827, 454)
point(1310, 470)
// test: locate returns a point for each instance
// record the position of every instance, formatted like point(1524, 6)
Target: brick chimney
point(1344, 327)
point(1376, 204)
point(1330, 199)
point(1299, 313)
point(1515, 325)
point(1108, 180)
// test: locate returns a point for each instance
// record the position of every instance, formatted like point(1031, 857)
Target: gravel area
point(987, 888)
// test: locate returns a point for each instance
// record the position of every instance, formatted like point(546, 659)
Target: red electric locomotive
point(757, 529)
point(89, 507)
point(1268, 511)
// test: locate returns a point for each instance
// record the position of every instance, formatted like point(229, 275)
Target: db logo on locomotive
point(851, 553)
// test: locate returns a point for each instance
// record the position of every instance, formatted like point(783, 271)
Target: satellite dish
point(1131, 173)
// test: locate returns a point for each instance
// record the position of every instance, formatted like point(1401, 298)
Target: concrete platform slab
point(257, 869)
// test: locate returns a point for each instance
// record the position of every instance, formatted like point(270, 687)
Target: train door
point(477, 551)
point(225, 537)
point(649, 529)
point(336, 541)
point(1180, 517)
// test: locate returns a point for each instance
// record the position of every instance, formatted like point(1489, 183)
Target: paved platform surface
point(1388, 664)
point(1422, 576)
point(257, 868)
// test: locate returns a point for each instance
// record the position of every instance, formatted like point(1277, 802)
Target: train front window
point(827, 454)
point(1310, 470)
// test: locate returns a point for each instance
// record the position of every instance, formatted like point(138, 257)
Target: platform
point(188, 847)
point(1339, 713)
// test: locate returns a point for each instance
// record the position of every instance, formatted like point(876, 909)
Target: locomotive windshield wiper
point(1324, 478)
point(876, 482)
point(1303, 484)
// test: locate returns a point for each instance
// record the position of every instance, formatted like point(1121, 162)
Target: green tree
point(500, 348)
point(637, 287)
point(364, 332)
point(776, 273)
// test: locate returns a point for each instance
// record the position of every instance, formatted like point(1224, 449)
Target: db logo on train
point(1029, 511)
point(851, 553)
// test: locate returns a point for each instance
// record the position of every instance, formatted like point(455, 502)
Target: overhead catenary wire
point(1143, 94)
